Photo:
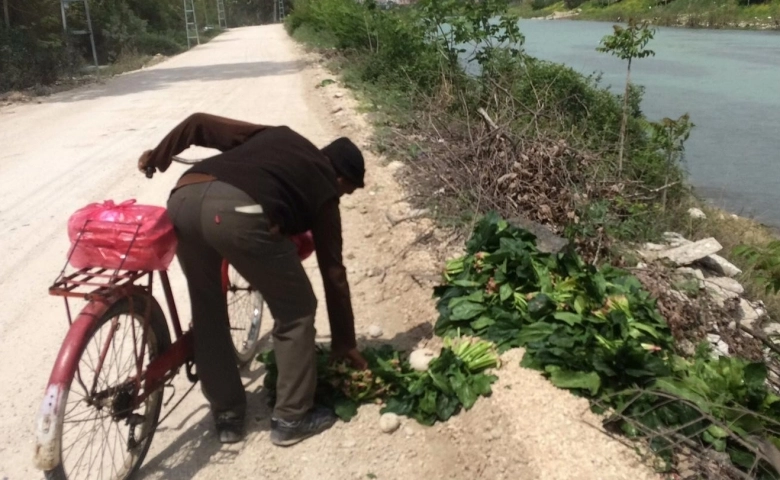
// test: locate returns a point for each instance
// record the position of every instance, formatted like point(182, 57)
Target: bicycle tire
point(245, 313)
point(157, 342)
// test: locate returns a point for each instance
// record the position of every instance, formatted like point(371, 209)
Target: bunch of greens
point(593, 330)
point(598, 333)
point(454, 380)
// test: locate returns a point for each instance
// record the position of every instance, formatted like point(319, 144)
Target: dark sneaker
point(230, 426)
point(285, 433)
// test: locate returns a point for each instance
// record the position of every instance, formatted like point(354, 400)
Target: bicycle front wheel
point(245, 311)
point(103, 433)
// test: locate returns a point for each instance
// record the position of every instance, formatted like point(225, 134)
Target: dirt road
point(80, 146)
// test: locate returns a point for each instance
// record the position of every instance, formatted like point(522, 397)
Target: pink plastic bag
point(127, 236)
point(305, 244)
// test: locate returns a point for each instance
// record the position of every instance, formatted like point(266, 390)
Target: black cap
point(347, 160)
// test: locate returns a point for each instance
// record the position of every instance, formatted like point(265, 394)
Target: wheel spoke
point(93, 443)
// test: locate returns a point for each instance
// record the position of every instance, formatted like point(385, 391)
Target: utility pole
point(65, 6)
point(190, 23)
point(6, 15)
point(221, 15)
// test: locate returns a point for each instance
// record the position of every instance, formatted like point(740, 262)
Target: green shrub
point(572, 4)
point(540, 4)
point(154, 43)
point(26, 61)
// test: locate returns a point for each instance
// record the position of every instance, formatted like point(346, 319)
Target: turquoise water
point(729, 82)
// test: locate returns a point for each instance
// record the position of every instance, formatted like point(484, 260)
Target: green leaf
point(505, 291)
point(463, 390)
point(568, 317)
point(345, 409)
point(580, 304)
point(742, 458)
point(466, 283)
point(717, 432)
point(467, 311)
point(446, 406)
point(580, 380)
point(482, 322)
point(536, 332)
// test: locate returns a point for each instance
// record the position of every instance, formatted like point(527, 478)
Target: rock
point(748, 314)
point(696, 213)
point(687, 254)
point(408, 431)
point(653, 247)
point(686, 347)
point(773, 329)
point(374, 272)
point(395, 165)
point(721, 348)
point(691, 272)
point(420, 358)
point(728, 284)
point(349, 444)
point(389, 422)
point(338, 95)
point(375, 331)
point(674, 239)
point(641, 265)
point(720, 265)
point(718, 294)
point(546, 240)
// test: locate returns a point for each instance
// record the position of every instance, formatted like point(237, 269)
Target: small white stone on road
point(375, 331)
point(389, 422)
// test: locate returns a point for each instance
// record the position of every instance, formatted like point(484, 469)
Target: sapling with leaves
point(627, 44)
point(670, 137)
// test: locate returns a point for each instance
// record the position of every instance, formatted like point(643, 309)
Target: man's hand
point(352, 357)
point(143, 161)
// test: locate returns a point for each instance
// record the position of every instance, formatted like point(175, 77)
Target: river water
point(728, 81)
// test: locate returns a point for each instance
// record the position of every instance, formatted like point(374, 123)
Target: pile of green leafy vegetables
point(454, 380)
point(598, 333)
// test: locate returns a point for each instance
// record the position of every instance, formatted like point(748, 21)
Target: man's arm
point(203, 130)
point(328, 245)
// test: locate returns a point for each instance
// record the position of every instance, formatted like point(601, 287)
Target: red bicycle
point(104, 396)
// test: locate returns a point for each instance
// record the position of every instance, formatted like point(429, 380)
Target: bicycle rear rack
point(89, 283)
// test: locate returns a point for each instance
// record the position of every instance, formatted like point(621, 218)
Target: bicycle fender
point(47, 427)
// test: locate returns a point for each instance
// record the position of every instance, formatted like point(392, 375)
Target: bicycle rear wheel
point(102, 435)
point(245, 311)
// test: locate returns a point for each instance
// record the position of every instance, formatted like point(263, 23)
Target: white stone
point(696, 213)
point(674, 239)
point(395, 165)
point(641, 265)
point(653, 247)
point(691, 272)
point(420, 358)
point(728, 284)
point(687, 254)
point(375, 331)
point(720, 265)
point(748, 314)
point(389, 422)
point(773, 329)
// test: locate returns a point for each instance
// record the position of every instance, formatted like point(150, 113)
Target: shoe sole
point(293, 441)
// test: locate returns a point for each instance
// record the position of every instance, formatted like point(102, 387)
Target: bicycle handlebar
point(149, 170)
